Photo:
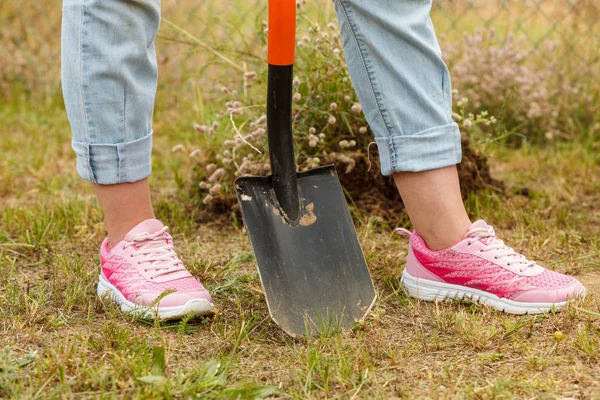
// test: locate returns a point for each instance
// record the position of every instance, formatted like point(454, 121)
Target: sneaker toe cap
point(552, 295)
point(175, 299)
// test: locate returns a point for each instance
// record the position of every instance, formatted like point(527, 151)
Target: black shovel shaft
point(281, 143)
point(282, 43)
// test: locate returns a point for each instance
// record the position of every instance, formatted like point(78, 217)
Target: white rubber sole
point(427, 290)
point(194, 307)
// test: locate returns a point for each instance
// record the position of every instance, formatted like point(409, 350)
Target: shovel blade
point(313, 271)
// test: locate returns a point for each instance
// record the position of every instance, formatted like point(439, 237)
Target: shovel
point(309, 258)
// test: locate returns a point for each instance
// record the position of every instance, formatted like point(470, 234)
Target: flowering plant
point(328, 121)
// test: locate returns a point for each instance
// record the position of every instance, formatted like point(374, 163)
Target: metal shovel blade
point(313, 270)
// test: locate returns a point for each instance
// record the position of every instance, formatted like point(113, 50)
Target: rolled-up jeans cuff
point(433, 148)
point(109, 164)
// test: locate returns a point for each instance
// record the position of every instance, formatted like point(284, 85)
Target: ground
point(60, 341)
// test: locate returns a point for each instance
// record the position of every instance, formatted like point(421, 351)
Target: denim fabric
point(402, 83)
point(109, 75)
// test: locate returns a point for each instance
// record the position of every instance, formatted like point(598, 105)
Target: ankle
point(438, 239)
point(118, 229)
point(125, 205)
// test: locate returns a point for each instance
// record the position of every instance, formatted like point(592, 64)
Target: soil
point(375, 194)
point(372, 193)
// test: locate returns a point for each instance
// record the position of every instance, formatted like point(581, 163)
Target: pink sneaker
point(141, 267)
point(483, 269)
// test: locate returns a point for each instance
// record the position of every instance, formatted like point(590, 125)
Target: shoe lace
point(158, 250)
point(501, 250)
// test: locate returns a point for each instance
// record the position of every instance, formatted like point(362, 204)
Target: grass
point(59, 340)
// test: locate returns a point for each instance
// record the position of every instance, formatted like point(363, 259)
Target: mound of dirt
point(372, 193)
point(375, 194)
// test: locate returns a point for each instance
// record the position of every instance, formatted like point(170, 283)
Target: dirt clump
point(374, 194)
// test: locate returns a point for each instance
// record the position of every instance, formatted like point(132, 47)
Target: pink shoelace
point(498, 247)
point(158, 249)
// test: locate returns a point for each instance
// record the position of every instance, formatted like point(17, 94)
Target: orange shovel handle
point(282, 31)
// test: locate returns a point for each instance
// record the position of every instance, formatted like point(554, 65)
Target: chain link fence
point(572, 24)
point(30, 32)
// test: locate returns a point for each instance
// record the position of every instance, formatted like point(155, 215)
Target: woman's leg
point(404, 87)
point(109, 76)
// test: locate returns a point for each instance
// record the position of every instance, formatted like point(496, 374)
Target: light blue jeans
point(109, 75)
